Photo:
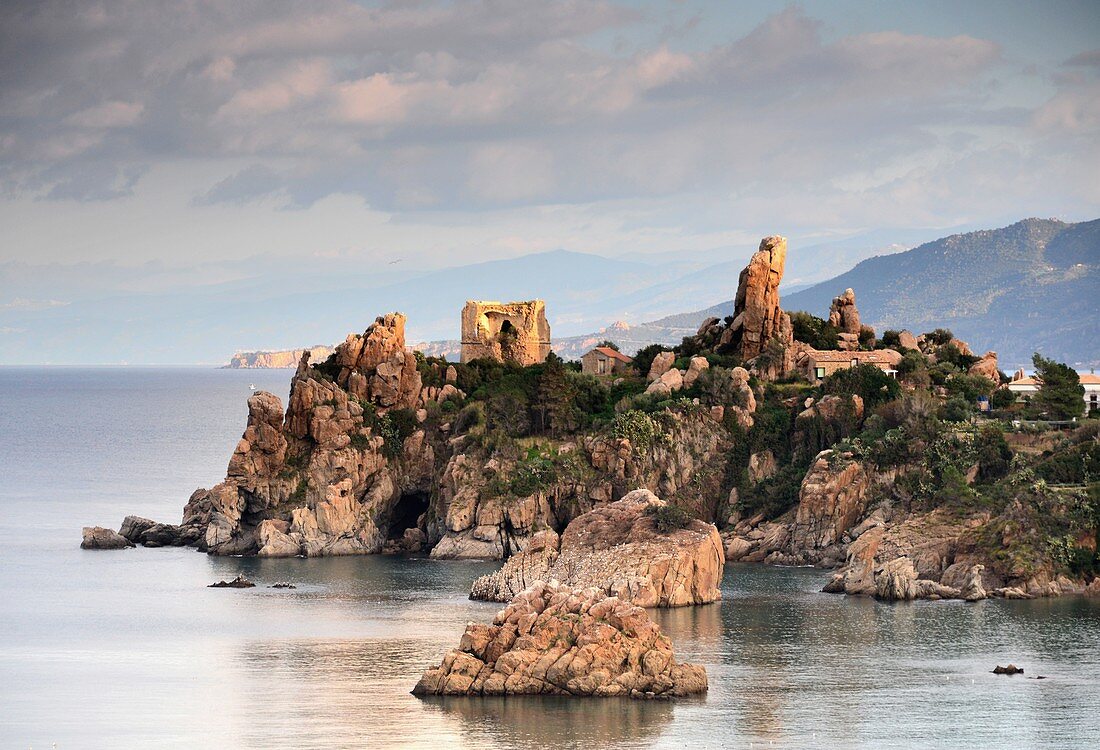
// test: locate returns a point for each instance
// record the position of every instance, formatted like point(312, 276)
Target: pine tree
point(554, 401)
point(1061, 395)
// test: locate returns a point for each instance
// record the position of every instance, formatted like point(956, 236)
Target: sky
point(438, 133)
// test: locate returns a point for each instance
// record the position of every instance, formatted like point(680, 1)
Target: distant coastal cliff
point(286, 358)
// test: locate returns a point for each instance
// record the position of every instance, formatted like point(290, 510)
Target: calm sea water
point(130, 649)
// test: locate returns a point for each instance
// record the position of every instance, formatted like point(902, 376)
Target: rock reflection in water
point(553, 721)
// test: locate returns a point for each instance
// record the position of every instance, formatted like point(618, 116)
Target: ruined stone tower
point(512, 331)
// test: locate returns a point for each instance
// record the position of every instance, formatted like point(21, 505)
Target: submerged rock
point(618, 549)
point(97, 537)
point(556, 640)
point(240, 582)
point(1010, 669)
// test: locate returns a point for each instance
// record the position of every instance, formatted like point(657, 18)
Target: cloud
point(491, 105)
point(107, 115)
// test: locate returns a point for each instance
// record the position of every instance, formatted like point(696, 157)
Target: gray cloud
point(426, 106)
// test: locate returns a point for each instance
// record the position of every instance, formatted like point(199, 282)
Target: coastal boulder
point(619, 549)
point(557, 640)
point(134, 526)
point(97, 537)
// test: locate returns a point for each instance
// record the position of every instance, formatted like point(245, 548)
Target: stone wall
point(505, 331)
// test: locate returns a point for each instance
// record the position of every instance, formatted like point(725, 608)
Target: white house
point(1024, 387)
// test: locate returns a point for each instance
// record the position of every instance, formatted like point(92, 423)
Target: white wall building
point(1026, 387)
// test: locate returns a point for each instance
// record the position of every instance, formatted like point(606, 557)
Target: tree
point(891, 339)
point(866, 381)
point(1061, 395)
point(554, 399)
point(815, 331)
point(608, 343)
point(940, 336)
point(1002, 398)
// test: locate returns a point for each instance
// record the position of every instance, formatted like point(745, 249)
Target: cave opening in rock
point(406, 512)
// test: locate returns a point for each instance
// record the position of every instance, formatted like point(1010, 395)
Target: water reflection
point(555, 722)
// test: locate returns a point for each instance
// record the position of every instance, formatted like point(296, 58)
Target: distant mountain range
point(1032, 286)
point(154, 314)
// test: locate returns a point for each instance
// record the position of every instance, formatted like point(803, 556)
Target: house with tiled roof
point(603, 360)
point(817, 364)
point(1026, 386)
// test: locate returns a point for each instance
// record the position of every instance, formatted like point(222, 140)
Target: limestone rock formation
point(762, 465)
point(696, 367)
point(521, 571)
point(832, 499)
point(844, 315)
point(668, 383)
point(661, 364)
point(513, 331)
point(897, 580)
point(757, 317)
point(556, 640)
point(973, 590)
point(906, 340)
point(276, 359)
point(833, 408)
point(987, 367)
point(376, 368)
point(618, 549)
point(97, 537)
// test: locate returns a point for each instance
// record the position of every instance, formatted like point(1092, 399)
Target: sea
point(130, 649)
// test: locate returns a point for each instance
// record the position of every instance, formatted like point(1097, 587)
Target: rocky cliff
point(285, 358)
point(365, 459)
point(848, 518)
point(619, 549)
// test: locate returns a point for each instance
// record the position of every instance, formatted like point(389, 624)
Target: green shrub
point(639, 428)
point(329, 369)
point(957, 410)
point(532, 475)
point(471, 416)
point(668, 518)
point(814, 331)
point(866, 381)
point(1002, 398)
point(940, 336)
point(891, 339)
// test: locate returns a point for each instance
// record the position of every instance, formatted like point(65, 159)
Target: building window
point(601, 366)
point(819, 373)
point(855, 362)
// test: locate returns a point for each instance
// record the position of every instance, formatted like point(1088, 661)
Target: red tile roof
point(609, 352)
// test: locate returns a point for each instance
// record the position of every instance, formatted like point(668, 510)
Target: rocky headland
point(557, 640)
point(875, 463)
point(276, 360)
